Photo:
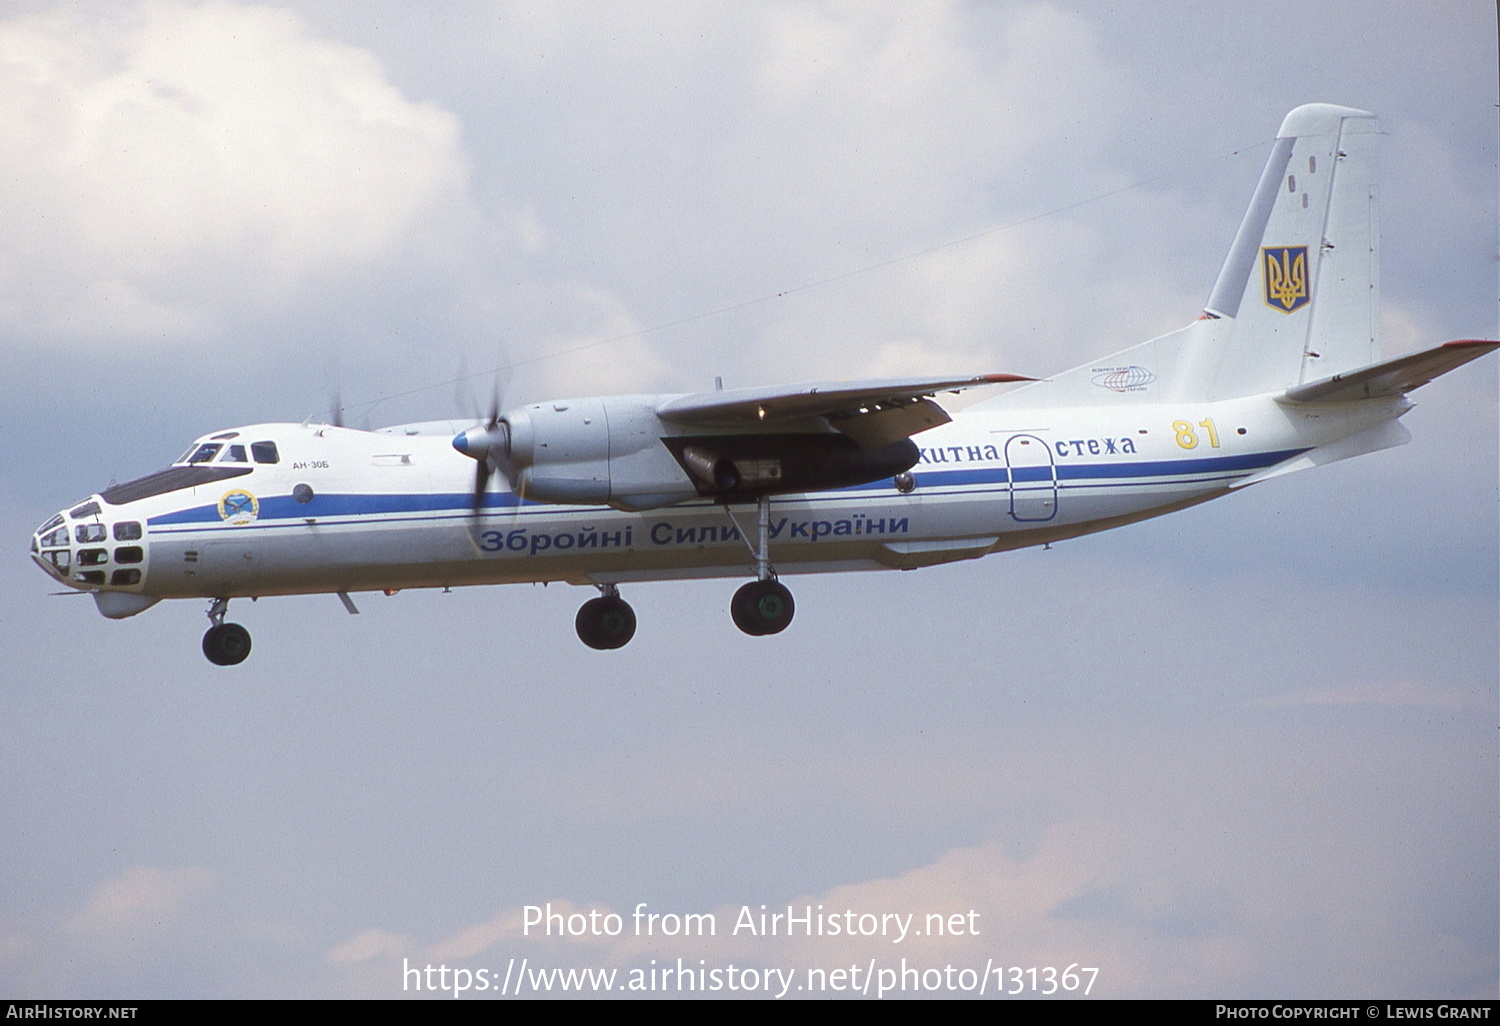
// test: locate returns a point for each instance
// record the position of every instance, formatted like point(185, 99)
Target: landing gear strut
point(606, 622)
point(225, 644)
point(764, 606)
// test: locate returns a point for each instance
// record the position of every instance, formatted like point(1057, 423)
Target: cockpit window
point(128, 530)
point(49, 525)
point(265, 452)
point(234, 454)
point(89, 533)
point(58, 536)
point(88, 509)
point(205, 453)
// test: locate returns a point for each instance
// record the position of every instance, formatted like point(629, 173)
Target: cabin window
point(127, 530)
point(265, 452)
point(92, 557)
point(129, 554)
point(86, 533)
point(123, 578)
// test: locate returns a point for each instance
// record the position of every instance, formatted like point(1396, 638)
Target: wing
point(1390, 377)
point(873, 413)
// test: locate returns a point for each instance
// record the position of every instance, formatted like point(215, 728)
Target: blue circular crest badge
point(239, 508)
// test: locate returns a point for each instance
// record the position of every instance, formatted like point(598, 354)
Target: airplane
point(1280, 373)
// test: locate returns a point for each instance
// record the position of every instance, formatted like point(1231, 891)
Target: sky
point(1246, 750)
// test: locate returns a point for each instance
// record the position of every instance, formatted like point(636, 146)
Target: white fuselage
point(346, 510)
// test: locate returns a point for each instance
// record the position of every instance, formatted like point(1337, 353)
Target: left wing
point(873, 413)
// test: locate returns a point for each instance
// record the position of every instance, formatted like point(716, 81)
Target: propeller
point(490, 447)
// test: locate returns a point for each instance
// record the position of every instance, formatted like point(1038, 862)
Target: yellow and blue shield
point(1286, 277)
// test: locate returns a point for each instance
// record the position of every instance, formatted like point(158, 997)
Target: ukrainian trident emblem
point(1286, 277)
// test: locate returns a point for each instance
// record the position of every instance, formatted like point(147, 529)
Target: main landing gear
point(225, 644)
point(607, 621)
point(764, 606)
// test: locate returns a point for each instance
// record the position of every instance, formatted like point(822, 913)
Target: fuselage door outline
point(1033, 478)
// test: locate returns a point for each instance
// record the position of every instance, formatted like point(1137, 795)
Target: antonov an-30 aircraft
point(1280, 373)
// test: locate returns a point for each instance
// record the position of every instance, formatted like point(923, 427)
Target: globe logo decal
point(1124, 379)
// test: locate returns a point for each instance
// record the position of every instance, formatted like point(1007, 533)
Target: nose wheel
point(606, 622)
point(225, 644)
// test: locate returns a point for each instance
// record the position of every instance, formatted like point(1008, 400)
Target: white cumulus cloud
point(181, 158)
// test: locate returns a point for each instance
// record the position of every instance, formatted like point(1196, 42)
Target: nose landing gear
point(225, 644)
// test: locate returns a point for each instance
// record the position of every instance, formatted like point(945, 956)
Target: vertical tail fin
point(1301, 280)
point(1297, 299)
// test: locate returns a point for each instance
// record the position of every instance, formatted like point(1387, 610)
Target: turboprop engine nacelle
point(583, 451)
point(616, 451)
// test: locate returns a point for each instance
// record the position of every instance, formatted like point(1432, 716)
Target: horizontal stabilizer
point(1391, 377)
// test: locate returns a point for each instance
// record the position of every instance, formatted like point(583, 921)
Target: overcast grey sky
point(1245, 750)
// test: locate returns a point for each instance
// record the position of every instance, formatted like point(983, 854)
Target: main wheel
point(605, 623)
point(227, 644)
point(762, 607)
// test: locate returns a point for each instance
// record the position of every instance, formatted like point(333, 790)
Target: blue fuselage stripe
point(446, 504)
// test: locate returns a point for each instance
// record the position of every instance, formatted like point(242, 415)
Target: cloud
point(181, 159)
point(369, 944)
point(138, 904)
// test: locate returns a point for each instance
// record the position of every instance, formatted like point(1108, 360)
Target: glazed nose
point(51, 547)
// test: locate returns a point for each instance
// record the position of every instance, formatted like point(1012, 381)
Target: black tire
point(605, 623)
point(762, 607)
point(227, 644)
